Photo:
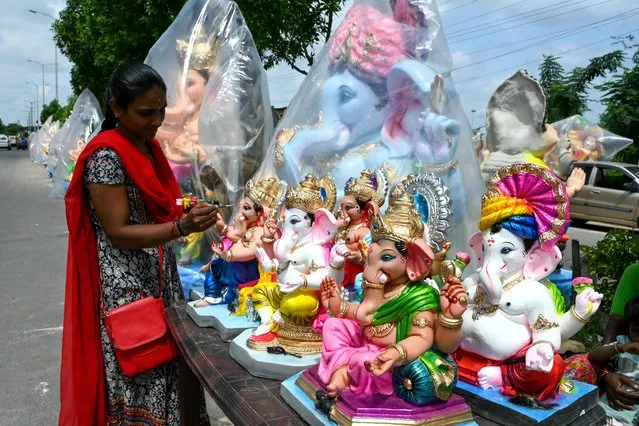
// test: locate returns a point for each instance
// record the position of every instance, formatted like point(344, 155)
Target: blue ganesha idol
point(376, 100)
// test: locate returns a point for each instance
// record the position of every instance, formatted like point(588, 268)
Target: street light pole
point(30, 111)
point(37, 99)
point(55, 48)
point(42, 65)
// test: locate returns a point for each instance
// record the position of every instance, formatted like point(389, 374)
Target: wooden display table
point(245, 399)
point(204, 358)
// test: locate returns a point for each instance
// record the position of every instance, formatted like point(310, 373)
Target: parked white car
point(4, 142)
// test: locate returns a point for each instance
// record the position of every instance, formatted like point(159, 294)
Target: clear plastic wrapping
point(40, 148)
point(72, 138)
point(581, 140)
point(379, 95)
point(218, 121)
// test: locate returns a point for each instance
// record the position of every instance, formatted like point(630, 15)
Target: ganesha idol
point(386, 360)
point(516, 323)
point(234, 271)
point(299, 259)
point(179, 133)
point(382, 105)
point(362, 196)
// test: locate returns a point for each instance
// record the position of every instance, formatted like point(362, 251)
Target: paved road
point(33, 244)
point(32, 256)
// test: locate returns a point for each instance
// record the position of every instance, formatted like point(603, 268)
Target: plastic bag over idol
point(218, 121)
point(55, 146)
point(379, 95)
point(81, 124)
point(45, 134)
point(581, 140)
point(33, 145)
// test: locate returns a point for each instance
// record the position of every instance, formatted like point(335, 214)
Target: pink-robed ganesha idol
point(516, 323)
point(397, 340)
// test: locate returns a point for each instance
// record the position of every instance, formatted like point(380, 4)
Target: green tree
point(621, 99)
point(13, 129)
point(52, 109)
point(66, 111)
point(567, 93)
point(1, 126)
point(97, 35)
point(550, 72)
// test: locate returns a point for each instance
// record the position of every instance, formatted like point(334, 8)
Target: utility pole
point(42, 65)
point(55, 49)
point(37, 99)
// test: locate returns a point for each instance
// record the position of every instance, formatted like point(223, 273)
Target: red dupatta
point(82, 383)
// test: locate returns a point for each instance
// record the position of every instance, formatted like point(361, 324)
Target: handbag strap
point(161, 284)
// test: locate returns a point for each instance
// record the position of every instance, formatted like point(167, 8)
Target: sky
point(488, 39)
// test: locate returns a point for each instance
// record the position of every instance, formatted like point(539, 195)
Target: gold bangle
point(342, 310)
point(574, 313)
point(366, 284)
point(266, 240)
point(230, 256)
point(451, 323)
point(402, 353)
point(305, 285)
point(421, 322)
point(538, 342)
point(336, 267)
point(223, 232)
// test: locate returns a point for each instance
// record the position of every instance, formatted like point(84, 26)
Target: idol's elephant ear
point(475, 244)
point(409, 89)
point(324, 227)
point(410, 80)
point(541, 262)
point(420, 259)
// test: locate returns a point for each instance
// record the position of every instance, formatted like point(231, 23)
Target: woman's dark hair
point(127, 82)
point(631, 312)
point(517, 230)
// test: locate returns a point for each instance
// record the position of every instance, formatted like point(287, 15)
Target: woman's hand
point(200, 218)
point(629, 348)
point(618, 398)
point(453, 298)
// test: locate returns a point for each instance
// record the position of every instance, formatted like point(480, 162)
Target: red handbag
point(139, 332)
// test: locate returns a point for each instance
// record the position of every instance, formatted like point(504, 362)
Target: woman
point(121, 213)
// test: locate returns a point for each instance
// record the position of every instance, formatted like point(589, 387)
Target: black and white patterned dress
point(128, 275)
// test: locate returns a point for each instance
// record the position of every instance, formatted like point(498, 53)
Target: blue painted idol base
point(495, 407)
point(220, 318)
point(305, 407)
point(190, 277)
point(268, 366)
